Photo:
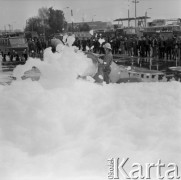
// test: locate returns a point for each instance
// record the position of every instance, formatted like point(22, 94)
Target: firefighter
point(108, 58)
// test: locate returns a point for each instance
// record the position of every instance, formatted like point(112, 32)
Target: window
point(17, 41)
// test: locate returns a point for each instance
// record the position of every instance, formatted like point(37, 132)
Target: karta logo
point(117, 169)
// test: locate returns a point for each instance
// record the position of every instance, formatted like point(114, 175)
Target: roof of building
point(130, 19)
point(92, 24)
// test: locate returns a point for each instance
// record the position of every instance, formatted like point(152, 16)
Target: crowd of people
point(36, 47)
point(157, 47)
point(145, 46)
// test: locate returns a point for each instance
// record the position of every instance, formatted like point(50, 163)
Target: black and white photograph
point(90, 90)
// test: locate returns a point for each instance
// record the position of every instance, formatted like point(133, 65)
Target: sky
point(16, 12)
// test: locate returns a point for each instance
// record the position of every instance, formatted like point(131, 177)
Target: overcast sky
point(15, 12)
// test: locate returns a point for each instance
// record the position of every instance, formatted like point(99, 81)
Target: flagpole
point(72, 19)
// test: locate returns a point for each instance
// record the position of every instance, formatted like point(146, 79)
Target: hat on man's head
point(107, 46)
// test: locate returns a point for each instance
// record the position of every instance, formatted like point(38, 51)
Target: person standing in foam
point(107, 60)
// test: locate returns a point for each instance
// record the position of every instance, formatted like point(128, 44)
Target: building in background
point(164, 27)
point(94, 25)
point(165, 22)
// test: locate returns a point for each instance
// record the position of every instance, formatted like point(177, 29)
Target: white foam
point(64, 128)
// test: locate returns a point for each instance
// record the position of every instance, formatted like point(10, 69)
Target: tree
point(34, 24)
point(84, 27)
point(56, 20)
point(43, 13)
point(48, 21)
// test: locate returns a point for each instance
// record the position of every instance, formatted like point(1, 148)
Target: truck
point(14, 47)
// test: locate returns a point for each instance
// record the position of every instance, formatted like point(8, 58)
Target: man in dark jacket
point(168, 48)
point(154, 45)
point(142, 44)
point(161, 45)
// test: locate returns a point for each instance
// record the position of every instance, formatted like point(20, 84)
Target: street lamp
point(6, 30)
point(9, 27)
point(128, 3)
point(146, 16)
point(63, 19)
point(14, 22)
point(71, 11)
point(128, 17)
point(72, 20)
point(66, 8)
point(135, 2)
point(93, 17)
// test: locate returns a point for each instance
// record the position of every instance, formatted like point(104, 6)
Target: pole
point(146, 16)
point(93, 18)
point(135, 14)
point(63, 26)
point(44, 28)
point(135, 2)
point(72, 19)
point(9, 27)
point(128, 15)
point(64, 30)
point(128, 19)
point(82, 17)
